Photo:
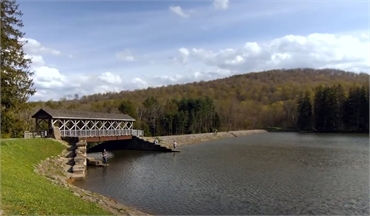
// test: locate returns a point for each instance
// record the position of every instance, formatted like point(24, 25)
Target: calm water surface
point(273, 173)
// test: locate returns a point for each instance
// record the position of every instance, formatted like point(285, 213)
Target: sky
point(89, 46)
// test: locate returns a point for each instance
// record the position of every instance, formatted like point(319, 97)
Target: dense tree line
point(247, 101)
point(16, 82)
point(334, 110)
point(187, 115)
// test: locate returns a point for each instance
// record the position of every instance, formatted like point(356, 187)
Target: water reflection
point(174, 156)
point(104, 171)
point(275, 173)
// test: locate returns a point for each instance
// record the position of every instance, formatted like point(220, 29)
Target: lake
point(270, 173)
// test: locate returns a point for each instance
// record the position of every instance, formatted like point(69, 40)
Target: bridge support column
point(79, 169)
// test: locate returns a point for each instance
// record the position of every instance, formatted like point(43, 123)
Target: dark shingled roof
point(74, 114)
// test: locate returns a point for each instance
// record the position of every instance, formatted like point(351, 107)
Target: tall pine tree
point(327, 109)
point(332, 109)
point(341, 98)
point(127, 107)
point(304, 120)
point(319, 109)
point(364, 109)
point(16, 82)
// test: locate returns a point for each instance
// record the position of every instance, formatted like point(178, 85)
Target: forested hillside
point(253, 100)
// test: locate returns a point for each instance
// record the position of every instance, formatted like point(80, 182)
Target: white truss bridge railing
point(101, 133)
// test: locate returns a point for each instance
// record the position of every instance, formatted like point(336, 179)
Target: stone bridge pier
point(78, 128)
point(80, 162)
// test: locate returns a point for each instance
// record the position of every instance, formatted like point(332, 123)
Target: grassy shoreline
point(24, 192)
point(35, 182)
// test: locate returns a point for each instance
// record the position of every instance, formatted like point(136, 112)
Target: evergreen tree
point(304, 120)
point(354, 104)
point(332, 109)
point(348, 116)
point(127, 107)
point(326, 109)
point(341, 98)
point(16, 82)
point(168, 118)
point(319, 111)
point(364, 109)
point(181, 122)
point(217, 121)
point(152, 113)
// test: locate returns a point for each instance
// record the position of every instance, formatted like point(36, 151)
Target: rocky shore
point(188, 139)
point(56, 170)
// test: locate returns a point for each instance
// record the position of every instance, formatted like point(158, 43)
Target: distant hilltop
point(299, 76)
point(245, 101)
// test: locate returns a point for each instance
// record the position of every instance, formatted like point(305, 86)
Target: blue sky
point(102, 46)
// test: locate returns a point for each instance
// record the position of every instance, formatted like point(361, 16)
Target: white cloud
point(140, 82)
point(221, 4)
point(110, 78)
point(50, 83)
point(365, 36)
point(184, 53)
point(178, 10)
point(45, 78)
point(345, 52)
point(49, 78)
point(125, 55)
point(37, 60)
point(33, 47)
point(189, 76)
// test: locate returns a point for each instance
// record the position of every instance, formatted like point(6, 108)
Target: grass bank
point(188, 139)
point(24, 192)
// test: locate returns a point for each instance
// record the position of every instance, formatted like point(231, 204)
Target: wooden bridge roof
point(80, 115)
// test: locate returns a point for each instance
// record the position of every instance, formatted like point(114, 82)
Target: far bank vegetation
point(324, 100)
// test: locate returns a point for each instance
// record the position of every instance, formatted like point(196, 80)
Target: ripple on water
point(260, 174)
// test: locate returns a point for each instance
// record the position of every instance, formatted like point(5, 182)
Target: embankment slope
point(188, 139)
point(25, 192)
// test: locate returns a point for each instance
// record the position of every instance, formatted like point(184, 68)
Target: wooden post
point(50, 128)
point(37, 125)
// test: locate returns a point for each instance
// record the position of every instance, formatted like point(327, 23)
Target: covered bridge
point(72, 123)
